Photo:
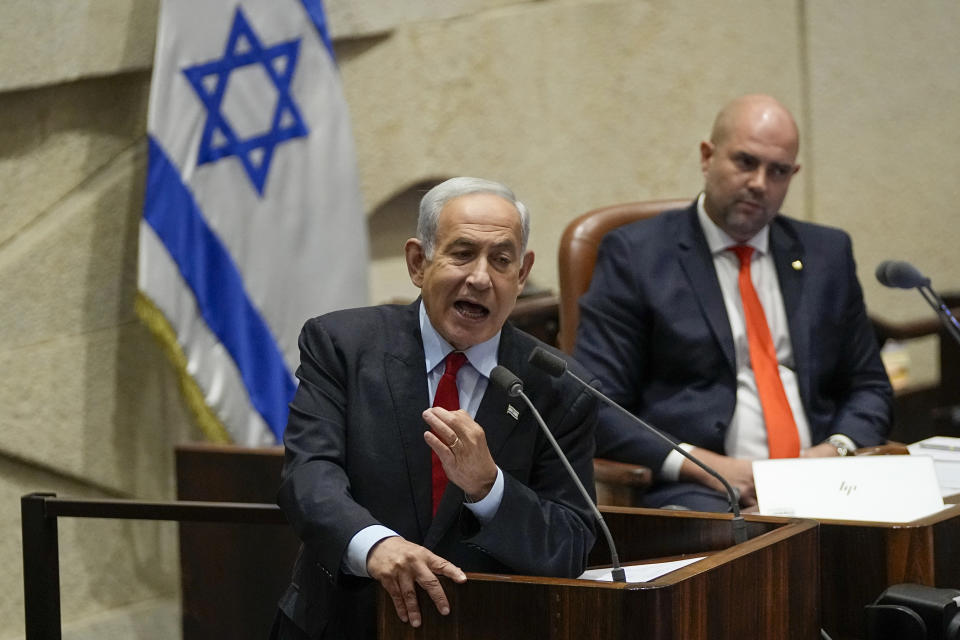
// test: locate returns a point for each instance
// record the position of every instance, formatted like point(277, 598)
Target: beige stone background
point(574, 103)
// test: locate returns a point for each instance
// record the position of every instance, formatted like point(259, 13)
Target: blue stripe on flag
point(218, 287)
point(314, 9)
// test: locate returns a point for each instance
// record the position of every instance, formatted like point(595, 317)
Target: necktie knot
point(453, 362)
point(744, 253)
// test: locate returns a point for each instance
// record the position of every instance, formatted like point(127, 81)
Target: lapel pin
point(513, 412)
point(797, 265)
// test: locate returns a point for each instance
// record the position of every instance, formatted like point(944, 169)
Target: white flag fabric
point(252, 219)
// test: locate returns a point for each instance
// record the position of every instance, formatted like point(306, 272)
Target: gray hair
point(435, 199)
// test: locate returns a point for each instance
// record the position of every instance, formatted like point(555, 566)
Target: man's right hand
point(400, 565)
point(739, 473)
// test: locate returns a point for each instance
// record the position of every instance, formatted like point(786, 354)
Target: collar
point(482, 357)
point(718, 240)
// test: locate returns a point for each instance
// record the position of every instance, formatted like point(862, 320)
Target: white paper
point(939, 447)
point(639, 572)
point(873, 488)
point(945, 452)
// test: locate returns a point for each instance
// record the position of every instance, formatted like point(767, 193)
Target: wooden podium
point(767, 587)
point(859, 560)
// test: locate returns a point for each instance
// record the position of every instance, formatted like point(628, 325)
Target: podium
point(859, 560)
point(767, 587)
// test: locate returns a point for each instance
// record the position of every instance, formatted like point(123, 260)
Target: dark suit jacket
point(654, 329)
point(355, 456)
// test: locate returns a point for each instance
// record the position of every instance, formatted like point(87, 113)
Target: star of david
point(210, 79)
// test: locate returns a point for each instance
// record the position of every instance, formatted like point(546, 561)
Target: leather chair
point(617, 483)
point(578, 255)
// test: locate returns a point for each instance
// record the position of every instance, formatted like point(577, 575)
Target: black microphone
point(556, 367)
point(509, 382)
point(900, 275)
point(903, 275)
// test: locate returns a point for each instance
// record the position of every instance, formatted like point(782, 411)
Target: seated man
point(740, 332)
point(394, 401)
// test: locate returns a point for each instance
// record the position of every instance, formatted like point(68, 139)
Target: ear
point(707, 149)
point(416, 261)
point(525, 267)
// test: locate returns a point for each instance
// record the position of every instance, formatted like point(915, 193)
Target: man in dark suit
point(740, 332)
point(359, 482)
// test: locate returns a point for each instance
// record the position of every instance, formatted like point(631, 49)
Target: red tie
point(782, 436)
point(448, 398)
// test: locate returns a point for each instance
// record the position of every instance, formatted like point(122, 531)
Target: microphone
point(903, 275)
point(900, 275)
point(509, 382)
point(556, 367)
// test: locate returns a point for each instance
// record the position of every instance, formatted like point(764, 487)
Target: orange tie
point(782, 436)
point(447, 397)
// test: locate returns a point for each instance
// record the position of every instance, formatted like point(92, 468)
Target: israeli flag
point(252, 221)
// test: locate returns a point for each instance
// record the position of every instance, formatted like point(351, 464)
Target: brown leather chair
point(578, 255)
point(617, 483)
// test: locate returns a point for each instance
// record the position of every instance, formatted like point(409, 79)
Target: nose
point(479, 276)
point(758, 180)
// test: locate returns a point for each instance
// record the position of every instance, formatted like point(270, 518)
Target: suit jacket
point(654, 329)
point(355, 456)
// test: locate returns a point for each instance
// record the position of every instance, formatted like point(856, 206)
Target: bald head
point(747, 164)
point(756, 110)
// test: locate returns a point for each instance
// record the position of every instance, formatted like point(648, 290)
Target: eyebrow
point(740, 153)
point(470, 242)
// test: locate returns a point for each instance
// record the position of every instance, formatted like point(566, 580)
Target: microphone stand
point(617, 572)
point(739, 524)
point(943, 311)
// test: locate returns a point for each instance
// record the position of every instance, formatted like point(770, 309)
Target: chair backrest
point(578, 254)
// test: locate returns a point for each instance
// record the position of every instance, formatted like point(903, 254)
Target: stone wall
point(575, 104)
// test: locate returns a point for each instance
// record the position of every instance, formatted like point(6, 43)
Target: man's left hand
point(461, 445)
point(822, 450)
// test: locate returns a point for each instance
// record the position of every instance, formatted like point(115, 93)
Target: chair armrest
point(889, 449)
point(619, 483)
point(621, 473)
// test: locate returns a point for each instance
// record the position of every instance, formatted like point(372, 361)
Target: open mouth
point(471, 310)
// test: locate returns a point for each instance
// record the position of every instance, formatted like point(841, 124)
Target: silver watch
point(841, 446)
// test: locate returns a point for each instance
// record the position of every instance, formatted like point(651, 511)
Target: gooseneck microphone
point(900, 275)
point(509, 382)
point(903, 275)
point(556, 367)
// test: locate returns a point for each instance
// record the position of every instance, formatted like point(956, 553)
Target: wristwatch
point(842, 446)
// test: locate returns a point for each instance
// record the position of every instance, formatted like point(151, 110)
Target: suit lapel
point(498, 413)
point(406, 382)
point(787, 251)
point(697, 263)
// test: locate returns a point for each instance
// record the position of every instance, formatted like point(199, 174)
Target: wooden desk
point(859, 560)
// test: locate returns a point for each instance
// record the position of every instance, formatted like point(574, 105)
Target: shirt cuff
point(355, 557)
point(670, 471)
point(486, 508)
